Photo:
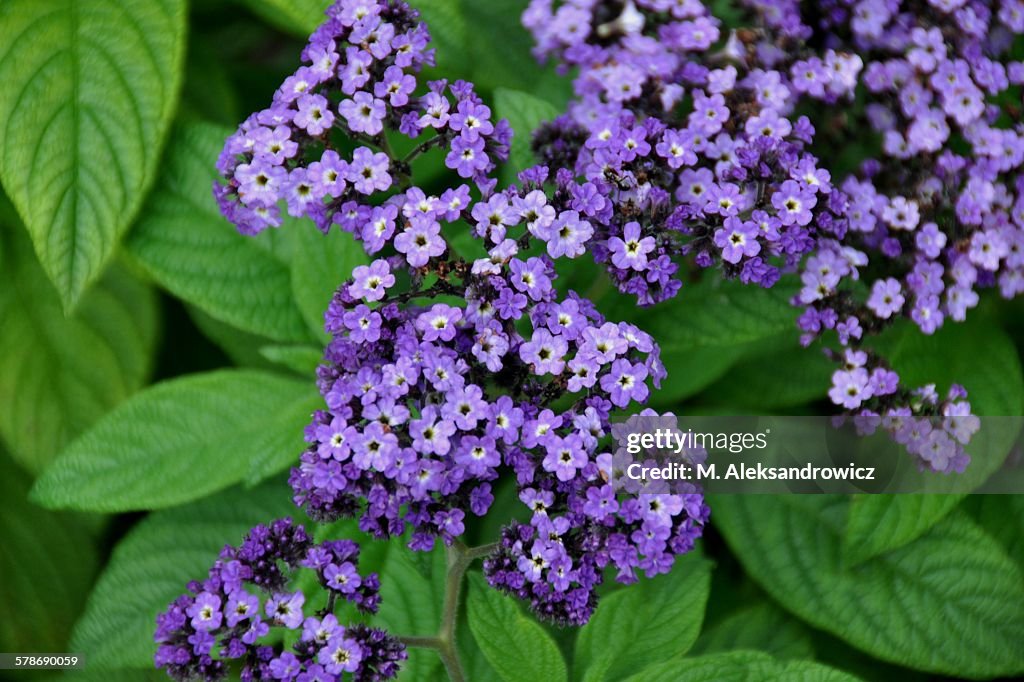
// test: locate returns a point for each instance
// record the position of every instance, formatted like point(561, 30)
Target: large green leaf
point(299, 17)
point(740, 666)
point(180, 440)
point(46, 568)
point(59, 374)
point(524, 112)
point(89, 89)
point(153, 563)
point(449, 32)
point(951, 602)
point(987, 364)
point(319, 264)
point(879, 523)
point(773, 382)
point(651, 621)
point(412, 597)
point(763, 627)
point(709, 327)
point(499, 52)
point(185, 244)
point(517, 647)
point(1003, 517)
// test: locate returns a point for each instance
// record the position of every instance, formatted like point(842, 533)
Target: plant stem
point(459, 557)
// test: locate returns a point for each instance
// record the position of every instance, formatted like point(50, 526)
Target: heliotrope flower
point(686, 184)
point(240, 610)
point(365, 57)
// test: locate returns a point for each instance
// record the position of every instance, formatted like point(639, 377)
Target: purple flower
point(286, 609)
point(364, 113)
point(314, 114)
point(421, 241)
point(630, 251)
point(545, 352)
point(850, 388)
point(205, 612)
point(343, 578)
point(737, 240)
point(371, 282)
point(793, 203)
point(368, 171)
point(341, 655)
point(886, 298)
point(439, 322)
point(625, 382)
point(564, 456)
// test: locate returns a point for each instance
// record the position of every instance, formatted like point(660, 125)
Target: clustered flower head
point(357, 84)
point(682, 146)
point(240, 610)
point(915, 234)
point(940, 214)
point(697, 152)
point(429, 403)
point(445, 372)
point(581, 527)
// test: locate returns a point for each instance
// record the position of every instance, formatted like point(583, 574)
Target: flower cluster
point(954, 224)
point(426, 402)
point(582, 526)
point(357, 83)
point(222, 619)
point(695, 162)
point(941, 213)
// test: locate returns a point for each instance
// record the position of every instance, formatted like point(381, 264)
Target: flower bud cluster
point(698, 153)
point(240, 610)
point(357, 84)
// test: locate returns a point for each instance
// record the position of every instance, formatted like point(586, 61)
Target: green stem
point(459, 558)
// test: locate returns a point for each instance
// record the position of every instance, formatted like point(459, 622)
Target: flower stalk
point(459, 559)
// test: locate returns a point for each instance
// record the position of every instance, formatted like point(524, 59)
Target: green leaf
point(298, 17)
point(180, 440)
point(767, 382)
point(1003, 517)
point(320, 263)
point(47, 564)
point(524, 112)
point(499, 52)
point(301, 359)
point(517, 647)
point(951, 602)
point(59, 374)
point(740, 666)
point(153, 563)
point(208, 92)
point(184, 243)
point(449, 32)
point(763, 627)
point(651, 621)
point(879, 523)
point(241, 348)
point(987, 364)
point(89, 88)
point(412, 595)
point(709, 327)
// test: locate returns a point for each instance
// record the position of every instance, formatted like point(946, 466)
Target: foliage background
point(155, 376)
